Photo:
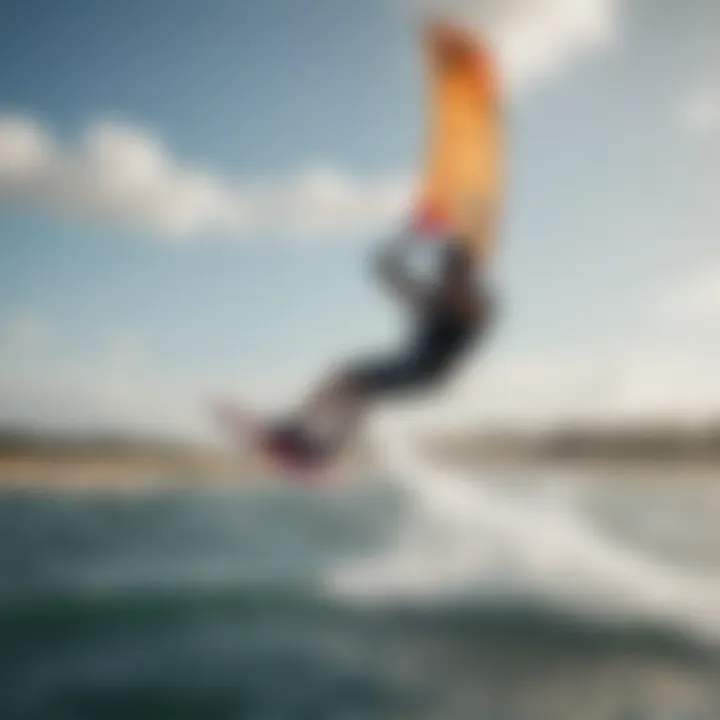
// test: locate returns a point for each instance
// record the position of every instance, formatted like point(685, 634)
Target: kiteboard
point(279, 447)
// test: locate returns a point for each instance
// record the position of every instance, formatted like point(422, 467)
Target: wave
point(134, 610)
point(226, 650)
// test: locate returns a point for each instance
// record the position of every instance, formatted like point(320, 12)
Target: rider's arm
point(394, 275)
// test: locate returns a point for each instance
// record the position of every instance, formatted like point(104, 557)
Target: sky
point(190, 194)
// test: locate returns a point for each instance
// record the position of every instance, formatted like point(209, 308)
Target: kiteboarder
point(458, 206)
point(449, 316)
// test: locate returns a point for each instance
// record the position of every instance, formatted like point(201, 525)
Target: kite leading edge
point(462, 180)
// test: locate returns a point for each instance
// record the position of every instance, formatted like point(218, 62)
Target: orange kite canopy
point(460, 190)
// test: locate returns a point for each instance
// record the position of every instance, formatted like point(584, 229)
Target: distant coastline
point(114, 462)
point(626, 443)
point(38, 460)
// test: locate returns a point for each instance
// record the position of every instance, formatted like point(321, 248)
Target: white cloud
point(115, 390)
point(24, 334)
point(640, 385)
point(697, 298)
point(699, 112)
point(535, 39)
point(322, 201)
point(124, 173)
point(26, 152)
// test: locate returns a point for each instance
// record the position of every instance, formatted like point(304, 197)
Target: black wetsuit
point(440, 340)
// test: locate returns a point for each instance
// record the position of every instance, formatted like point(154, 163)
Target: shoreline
point(122, 474)
point(113, 474)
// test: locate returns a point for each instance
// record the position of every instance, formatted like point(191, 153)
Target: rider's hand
point(386, 261)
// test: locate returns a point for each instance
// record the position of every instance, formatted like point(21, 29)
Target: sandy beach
point(228, 470)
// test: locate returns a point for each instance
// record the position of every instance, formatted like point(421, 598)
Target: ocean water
point(416, 593)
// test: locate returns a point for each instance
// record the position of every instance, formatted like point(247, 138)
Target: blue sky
point(610, 244)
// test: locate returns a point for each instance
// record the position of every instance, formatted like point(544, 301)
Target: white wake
point(464, 537)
